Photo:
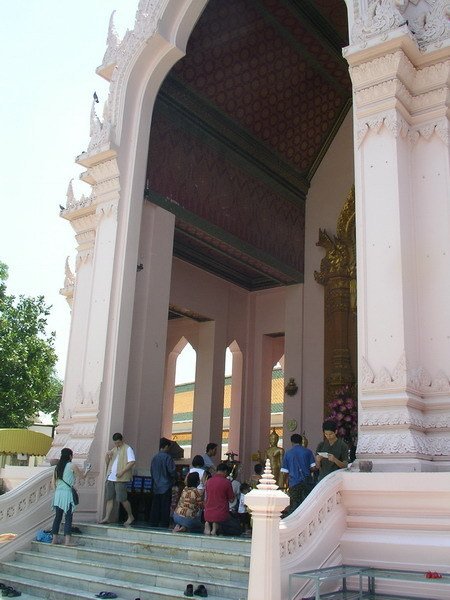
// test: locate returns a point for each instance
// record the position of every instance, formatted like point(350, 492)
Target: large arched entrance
point(240, 129)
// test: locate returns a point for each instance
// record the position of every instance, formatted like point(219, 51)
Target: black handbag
point(75, 497)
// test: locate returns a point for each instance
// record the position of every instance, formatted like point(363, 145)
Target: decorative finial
point(69, 279)
point(95, 124)
point(112, 39)
point(267, 481)
point(70, 195)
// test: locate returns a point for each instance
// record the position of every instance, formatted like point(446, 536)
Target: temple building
point(270, 178)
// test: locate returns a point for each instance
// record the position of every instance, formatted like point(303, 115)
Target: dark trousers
point(58, 518)
point(297, 493)
point(160, 511)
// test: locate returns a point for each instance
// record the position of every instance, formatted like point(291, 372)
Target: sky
point(49, 49)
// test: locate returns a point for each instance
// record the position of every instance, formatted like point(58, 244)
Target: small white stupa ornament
point(267, 481)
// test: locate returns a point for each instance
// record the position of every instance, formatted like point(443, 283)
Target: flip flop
point(106, 595)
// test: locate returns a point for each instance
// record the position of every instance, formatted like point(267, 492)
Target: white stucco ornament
point(72, 204)
point(381, 16)
point(427, 21)
point(69, 283)
point(112, 44)
point(100, 131)
point(120, 53)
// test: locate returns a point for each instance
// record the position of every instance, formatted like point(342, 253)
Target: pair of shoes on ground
point(9, 592)
point(201, 591)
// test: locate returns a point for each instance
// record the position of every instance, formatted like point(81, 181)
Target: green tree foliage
point(28, 382)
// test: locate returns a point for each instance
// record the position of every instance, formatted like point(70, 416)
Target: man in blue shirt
point(163, 472)
point(297, 464)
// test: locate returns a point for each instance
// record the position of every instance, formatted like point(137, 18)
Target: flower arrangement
point(344, 412)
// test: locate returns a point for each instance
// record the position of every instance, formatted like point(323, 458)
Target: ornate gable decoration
point(100, 131)
point(340, 258)
point(69, 283)
point(118, 56)
point(121, 53)
point(428, 21)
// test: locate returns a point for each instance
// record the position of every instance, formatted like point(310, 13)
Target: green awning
point(24, 441)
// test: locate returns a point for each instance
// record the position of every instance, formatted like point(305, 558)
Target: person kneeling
point(218, 494)
point(187, 515)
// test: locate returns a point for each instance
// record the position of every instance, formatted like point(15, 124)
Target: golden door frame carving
point(338, 276)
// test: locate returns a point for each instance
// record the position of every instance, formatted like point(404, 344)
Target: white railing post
point(266, 504)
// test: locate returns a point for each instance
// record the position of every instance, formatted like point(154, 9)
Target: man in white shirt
point(119, 464)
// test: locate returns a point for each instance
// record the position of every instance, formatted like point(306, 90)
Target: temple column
point(403, 238)
point(234, 435)
point(145, 390)
point(169, 393)
point(209, 385)
point(94, 220)
point(264, 392)
point(293, 358)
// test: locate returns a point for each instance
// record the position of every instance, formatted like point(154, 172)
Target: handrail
point(321, 516)
point(26, 509)
point(393, 520)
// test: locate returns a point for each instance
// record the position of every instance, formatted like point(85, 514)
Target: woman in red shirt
point(218, 494)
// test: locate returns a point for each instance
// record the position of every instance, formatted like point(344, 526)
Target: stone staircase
point(132, 563)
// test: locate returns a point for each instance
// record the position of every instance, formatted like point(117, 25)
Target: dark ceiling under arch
point(239, 128)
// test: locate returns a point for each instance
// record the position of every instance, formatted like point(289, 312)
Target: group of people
point(208, 499)
point(211, 497)
point(302, 469)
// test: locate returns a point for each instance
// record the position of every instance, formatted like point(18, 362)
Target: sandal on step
point(10, 592)
point(106, 595)
point(201, 591)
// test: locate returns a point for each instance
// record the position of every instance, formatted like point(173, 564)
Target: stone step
point(32, 589)
point(34, 580)
point(164, 536)
point(354, 595)
point(194, 569)
point(35, 566)
point(167, 550)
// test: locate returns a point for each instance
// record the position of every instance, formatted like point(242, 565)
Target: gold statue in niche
point(338, 276)
point(275, 454)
